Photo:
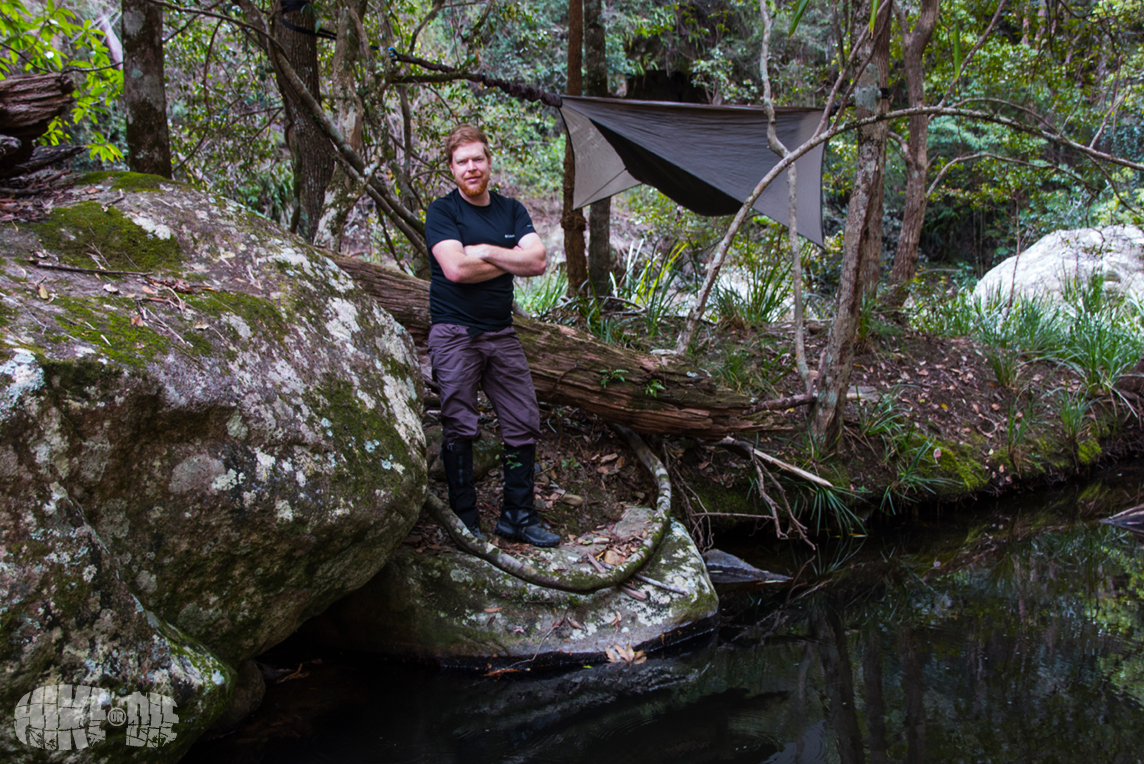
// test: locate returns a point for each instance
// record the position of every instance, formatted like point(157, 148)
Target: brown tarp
point(706, 158)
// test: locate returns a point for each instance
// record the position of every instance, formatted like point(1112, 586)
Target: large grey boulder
point(200, 448)
point(437, 604)
point(1114, 254)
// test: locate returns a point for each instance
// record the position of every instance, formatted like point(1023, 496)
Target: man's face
point(470, 166)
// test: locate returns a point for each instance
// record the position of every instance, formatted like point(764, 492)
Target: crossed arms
point(481, 262)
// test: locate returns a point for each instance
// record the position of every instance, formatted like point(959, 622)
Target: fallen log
point(28, 104)
point(649, 393)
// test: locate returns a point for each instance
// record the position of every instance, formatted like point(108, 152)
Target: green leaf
point(799, 9)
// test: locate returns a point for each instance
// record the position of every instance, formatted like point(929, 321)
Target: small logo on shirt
point(510, 236)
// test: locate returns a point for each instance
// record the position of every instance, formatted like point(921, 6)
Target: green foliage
point(1095, 334)
point(653, 285)
point(608, 376)
point(1074, 411)
point(51, 39)
point(821, 508)
point(1078, 69)
point(540, 295)
point(909, 451)
point(762, 268)
point(1022, 416)
point(225, 115)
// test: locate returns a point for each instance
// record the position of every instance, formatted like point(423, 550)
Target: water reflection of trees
point(1033, 654)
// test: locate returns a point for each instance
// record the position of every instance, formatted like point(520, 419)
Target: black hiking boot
point(457, 457)
point(519, 520)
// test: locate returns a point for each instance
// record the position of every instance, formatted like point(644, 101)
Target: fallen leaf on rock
point(612, 557)
point(575, 624)
point(624, 654)
point(492, 609)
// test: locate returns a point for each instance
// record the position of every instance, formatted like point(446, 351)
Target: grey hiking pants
point(495, 362)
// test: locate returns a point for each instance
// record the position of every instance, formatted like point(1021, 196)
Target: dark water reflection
point(1008, 633)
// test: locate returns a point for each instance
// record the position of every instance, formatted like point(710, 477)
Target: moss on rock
point(93, 235)
point(125, 181)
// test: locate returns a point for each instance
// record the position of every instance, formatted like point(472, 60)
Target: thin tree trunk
point(572, 220)
point(312, 155)
point(144, 89)
point(917, 159)
point(837, 358)
point(342, 192)
point(782, 150)
point(877, 134)
point(600, 213)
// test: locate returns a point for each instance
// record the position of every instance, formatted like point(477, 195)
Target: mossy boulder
point(446, 607)
point(207, 435)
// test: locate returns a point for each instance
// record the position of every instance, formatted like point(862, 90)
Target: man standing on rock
point(478, 240)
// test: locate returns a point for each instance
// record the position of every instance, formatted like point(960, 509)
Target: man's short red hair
point(462, 135)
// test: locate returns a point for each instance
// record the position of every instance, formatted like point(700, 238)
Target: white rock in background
point(1114, 253)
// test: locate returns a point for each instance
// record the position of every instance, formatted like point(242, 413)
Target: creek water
point(1006, 631)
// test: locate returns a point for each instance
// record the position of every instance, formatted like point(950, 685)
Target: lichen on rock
point(451, 608)
point(204, 445)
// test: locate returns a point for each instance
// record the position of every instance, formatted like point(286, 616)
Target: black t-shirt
point(486, 306)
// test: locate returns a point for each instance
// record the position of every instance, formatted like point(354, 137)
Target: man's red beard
point(470, 191)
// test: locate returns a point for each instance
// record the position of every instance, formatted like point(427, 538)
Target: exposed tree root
point(578, 582)
point(758, 459)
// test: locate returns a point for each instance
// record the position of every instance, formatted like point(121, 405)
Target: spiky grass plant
point(540, 295)
point(652, 284)
point(764, 294)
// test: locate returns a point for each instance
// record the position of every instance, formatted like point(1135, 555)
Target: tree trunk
point(876, 135)
point(917, 160)
point(648, 393)
point(310, 150)
point(144, 89)
point(838, 356)
point(342, 193)
point(600, 213)
point(572, 220)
